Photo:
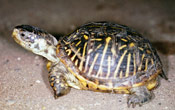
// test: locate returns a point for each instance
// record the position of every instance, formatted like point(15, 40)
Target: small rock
point(10, 102)
point(37, 57)
point(18, 58)
point(166, 107)
point(38, 81)
point(6, 61)
point(159, 103)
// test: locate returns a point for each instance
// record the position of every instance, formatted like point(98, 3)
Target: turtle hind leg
point(139, 95)
point(58, 80)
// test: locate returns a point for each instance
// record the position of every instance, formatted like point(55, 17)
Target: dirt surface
point(23, 77)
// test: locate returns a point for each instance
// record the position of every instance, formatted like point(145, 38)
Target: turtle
point(98, 56)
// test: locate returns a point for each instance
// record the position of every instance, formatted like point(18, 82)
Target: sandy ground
point(23, 76)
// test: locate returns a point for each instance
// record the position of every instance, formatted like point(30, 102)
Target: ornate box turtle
point(98, 56)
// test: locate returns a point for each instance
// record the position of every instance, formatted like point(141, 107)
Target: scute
point(108, 52)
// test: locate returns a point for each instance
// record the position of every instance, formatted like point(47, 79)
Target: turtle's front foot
point(58, 80)
point(59, 86)
point(139, 96)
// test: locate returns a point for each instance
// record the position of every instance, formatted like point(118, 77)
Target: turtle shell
point(109, 55)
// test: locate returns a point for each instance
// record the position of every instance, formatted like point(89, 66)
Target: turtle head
point(36, 40)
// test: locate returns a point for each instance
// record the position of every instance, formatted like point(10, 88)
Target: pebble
point(10, 102)
point(37, 57)
point(18, 58)
point(166, 107)
point(38, 81)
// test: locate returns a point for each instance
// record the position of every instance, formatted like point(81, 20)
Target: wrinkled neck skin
point(37, 41)
point(46, 50)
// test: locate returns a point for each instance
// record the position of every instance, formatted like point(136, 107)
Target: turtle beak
point(15, 35)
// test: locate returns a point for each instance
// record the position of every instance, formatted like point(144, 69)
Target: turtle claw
point(133, 100)
point(139, 96)
point(60, 90)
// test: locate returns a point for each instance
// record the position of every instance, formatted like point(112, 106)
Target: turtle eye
point(22, 34)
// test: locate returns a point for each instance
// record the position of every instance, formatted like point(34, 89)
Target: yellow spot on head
point(49, 66)
point(52, 79)
point(85, 37)
point(52, 84)
point(131, 45)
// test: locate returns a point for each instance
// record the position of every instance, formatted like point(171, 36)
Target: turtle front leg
point(57, 79)
point(139, 95)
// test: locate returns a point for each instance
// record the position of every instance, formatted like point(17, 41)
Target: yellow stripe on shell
point(103, 55)
point(73, 57)
point(85, 37)
point(124, 40)
point(90, 50)
point(98, 46)
point(113, 51)
point(140, 67)
point(65, 42)
point(121, 74)
point(93, 63)
point(78, 43)
point(140, 48)
point(97, 39)
point(128, 65)
point(121, 47)
point(74, 36)
point(69, 51)
point(152, 62)
point(82, 60)
point(109, 67)
point(131, 45)
point(119, 63)
point(134, 58)
point(87, 62)
point(76, 62)
point(146, 65)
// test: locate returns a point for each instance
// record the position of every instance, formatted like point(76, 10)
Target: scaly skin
point(44, 44)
